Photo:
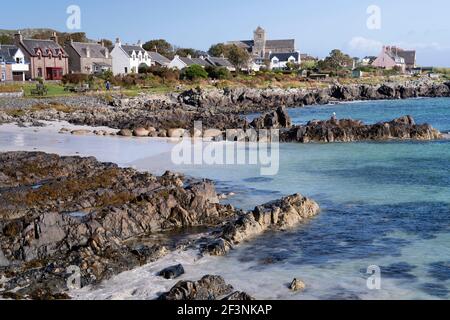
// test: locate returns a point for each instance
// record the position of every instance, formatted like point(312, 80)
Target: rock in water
point(281, 214)
point(297, 285)
point(238, 296)
point(278, 119)
point(141, 132)
point(348, 130)
point(172, 272)
point(208, 288)
point(80, 132)
point(125, 133)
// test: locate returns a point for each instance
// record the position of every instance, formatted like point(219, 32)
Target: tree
point(238, 57)
point(160, 45)
point(308, 65)
point(62, 36)
point(217, 50)
point(184, 52)
point(218, 73)
point(195, 72)
point(292, 66)
point(337, 60)
point(6, 39)
point(107, 43)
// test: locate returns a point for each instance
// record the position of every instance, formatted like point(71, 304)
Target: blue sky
point(318, 26)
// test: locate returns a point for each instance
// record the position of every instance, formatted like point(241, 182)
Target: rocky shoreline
point(219, 109)
point(59, 213)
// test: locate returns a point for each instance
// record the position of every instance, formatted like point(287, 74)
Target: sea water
point(383, 204)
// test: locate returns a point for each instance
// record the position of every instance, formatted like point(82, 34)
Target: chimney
point(106, 53)
point(139, 43)
point(118, 43)
point(54, 37)
point(88, 52)
point(18, 38)
point(189, 56)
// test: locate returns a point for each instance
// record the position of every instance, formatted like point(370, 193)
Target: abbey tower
point(259, 38)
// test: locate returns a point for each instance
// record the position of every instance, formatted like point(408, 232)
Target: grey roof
point(187, 61)
point(408, 55)
point(129, 49)
point(280, 44)
point(246, 44)
point(285, 56)
point(46, 46)
point(270, 44)
point(97, 50)
point(158, 58)
point(7, 53)
point(220, 62)
point(201, 62)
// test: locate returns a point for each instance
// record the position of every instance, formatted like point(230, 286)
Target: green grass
point(54, 90)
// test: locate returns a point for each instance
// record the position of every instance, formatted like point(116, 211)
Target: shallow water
point(384, 204)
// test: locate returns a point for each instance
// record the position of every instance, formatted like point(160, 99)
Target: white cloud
point(368, 46)
point(371, 46)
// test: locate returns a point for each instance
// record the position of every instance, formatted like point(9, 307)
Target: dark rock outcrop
point(282, 214)
point(348, 130)
point(278, 119)
point(57, 212)
point(208, 288)
point(172, 272)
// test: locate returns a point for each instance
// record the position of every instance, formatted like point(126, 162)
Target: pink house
point(393, 56)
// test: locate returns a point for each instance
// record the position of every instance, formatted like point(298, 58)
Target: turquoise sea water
point(384, 204)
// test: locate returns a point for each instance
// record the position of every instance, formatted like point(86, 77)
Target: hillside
point(7, 36)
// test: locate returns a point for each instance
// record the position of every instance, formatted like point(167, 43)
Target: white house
point(12, 63)
point(280, 60)
point(205, 61)
point(181, 62)
point(128, 58)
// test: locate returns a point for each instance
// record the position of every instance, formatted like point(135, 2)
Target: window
point(39, 72)
point(18, 60)
point(126, 70)
point(3, 76)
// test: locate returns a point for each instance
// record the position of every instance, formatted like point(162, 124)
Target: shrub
point(218, 73)
point(164, 73)
point(75, 78)
point(195, 72)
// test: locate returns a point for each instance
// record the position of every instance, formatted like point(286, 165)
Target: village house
point(88, 58)
point(279, 61)
point(129, 58)
point(260, 48)
point(158, 59)
point(221, 62)
point(47, 58)
point(394, 57)
point(13, 65)
point(181, 63)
